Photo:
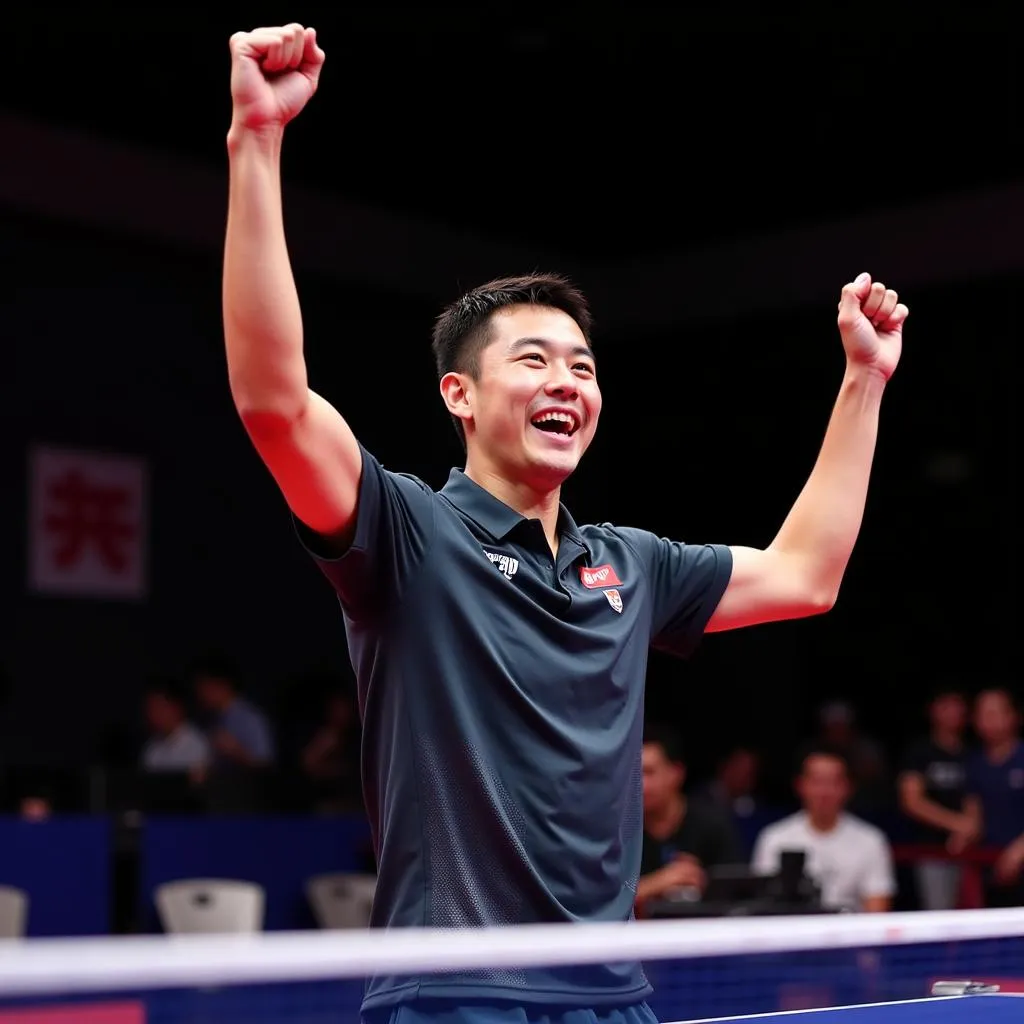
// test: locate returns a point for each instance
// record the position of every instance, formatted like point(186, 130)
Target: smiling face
point(531, 410)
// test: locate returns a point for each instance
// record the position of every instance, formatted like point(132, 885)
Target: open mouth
point(562, 423)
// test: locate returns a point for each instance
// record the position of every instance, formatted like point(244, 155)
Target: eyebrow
point(577, 350)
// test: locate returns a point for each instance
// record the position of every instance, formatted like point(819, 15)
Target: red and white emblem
point(599, 576)
point(614, 599)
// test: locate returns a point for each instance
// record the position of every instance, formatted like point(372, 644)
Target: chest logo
point(506, 564)
point(615, 600)
point(599, 576)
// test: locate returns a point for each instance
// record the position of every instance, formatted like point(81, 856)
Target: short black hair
point(664, 736)
point(946, 687)
point(216, 665)
point(462, 330)
point(167, 688)
point(823, 750)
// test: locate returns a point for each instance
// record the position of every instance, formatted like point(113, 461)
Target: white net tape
point(130, 963)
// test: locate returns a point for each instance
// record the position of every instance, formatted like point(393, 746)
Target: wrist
point(862, 375)
point(265, 140)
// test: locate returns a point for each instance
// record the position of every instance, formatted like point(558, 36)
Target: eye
point(584, 368)
point(533, 357)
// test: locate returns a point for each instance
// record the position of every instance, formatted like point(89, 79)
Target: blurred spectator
point(682, 838)
point(995, 775)
point(331, 758)
point(240, 734)
point(734, 784)
point(933, 794)
point(175, 744)
point(36, 804)
point(865, 758)
point(849, 859)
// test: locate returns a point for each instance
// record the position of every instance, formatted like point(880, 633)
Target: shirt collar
point(497, 518)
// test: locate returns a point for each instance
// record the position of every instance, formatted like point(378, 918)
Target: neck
point(946, 739)
point(526, 500)
point(823, 822)
point(665, 820)
point(1002, 750)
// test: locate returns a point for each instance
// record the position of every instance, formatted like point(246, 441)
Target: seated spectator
point(331, 758)
point(995, 775)
point(175, 744)
point(683, 838)
point(734, 785)
point(847, 858)
point(239, 733)
point(933, 795)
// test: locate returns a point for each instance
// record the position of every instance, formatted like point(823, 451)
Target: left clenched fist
point(871, 321)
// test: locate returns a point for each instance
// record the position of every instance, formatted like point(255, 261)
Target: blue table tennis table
point(970, 1009)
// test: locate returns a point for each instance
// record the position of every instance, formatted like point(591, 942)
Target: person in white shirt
point(175, 745)
point(849, 859)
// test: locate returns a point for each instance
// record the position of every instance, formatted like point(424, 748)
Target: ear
point(458, 399)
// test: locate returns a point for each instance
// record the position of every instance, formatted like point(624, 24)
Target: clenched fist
point(871, 321)
point(274, 72)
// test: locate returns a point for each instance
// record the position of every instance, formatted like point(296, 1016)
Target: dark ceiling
point(598, 136)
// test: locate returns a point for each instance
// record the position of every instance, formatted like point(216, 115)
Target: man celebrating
point(500, 649)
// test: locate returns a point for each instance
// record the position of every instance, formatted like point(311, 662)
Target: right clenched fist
point(274, 72)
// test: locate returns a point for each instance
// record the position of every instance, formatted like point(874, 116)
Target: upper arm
point(880, 878)
point(763, 860)
point(316, 462)
point(766, 586)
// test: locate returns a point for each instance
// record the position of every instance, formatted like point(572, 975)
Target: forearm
point(262, 318)
point(653, 885)
point(930, 813)
point(876, 905)
point(822, 526)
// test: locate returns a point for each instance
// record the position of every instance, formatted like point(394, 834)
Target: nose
point(561, 383)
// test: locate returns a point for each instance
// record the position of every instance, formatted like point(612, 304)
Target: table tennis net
point(699, 969)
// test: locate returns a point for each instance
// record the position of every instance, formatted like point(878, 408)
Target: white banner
point(88, 524)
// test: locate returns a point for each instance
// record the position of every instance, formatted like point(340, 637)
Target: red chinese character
point(89, 513)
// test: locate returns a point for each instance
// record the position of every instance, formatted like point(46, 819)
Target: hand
point(228, 745)
point(684, 872)
point(964, 835)
point(1010, 863)
point(274, 73)
point(871, 325)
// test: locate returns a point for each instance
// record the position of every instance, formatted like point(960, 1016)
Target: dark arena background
point(711, 180)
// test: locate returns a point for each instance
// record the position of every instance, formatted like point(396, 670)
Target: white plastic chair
point(212, 905)
point(13, 912)
point(342, 900)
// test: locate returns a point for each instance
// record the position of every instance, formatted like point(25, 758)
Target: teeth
point(559, 417)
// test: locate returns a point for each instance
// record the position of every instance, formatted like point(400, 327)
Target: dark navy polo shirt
point(502, 693)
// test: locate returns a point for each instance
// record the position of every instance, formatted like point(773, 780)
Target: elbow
point(821, 600)
point(268, 412)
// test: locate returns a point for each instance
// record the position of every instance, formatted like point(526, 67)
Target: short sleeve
point(915, 759)
point(765, 858)
point(686, 583)
point(879, 875)
point(394, 528)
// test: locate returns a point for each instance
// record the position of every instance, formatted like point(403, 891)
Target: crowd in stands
point(954, 830)
point(945, 829)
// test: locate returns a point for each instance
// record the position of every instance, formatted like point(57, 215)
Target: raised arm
point(800, 572)
point(303, 440)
